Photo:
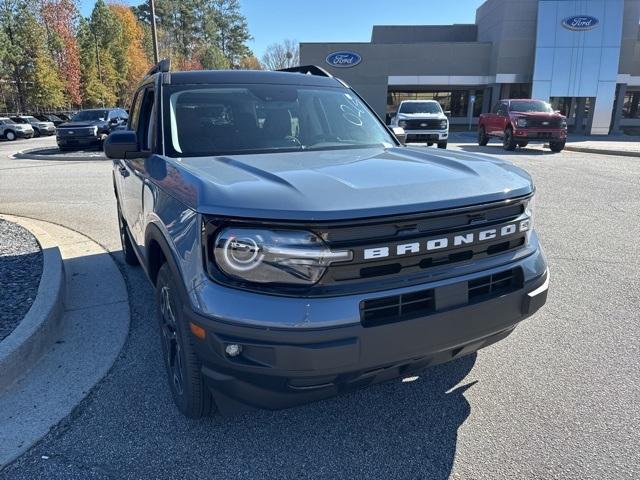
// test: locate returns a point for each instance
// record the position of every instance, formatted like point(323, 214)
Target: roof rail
point(162, 66)
point(307, 70)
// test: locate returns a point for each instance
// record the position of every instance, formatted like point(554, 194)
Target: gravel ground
point(20, 271)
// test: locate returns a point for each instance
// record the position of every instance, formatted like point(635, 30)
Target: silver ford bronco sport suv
point(298, 250)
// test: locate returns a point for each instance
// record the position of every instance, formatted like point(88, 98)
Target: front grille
point(76, 132)
point(543, 123)
point(394, 233)
point(426, 124)
point(381, 311)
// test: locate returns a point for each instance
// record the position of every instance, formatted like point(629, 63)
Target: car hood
point(44, 124)
point(340, 184)
point(409, 116)
point(82, 124)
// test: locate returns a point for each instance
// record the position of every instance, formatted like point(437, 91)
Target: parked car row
point(86, 128)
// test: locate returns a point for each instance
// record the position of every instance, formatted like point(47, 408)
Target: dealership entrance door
point(578, 110)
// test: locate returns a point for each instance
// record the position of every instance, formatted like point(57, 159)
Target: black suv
point(89, 128)
point(298, 250)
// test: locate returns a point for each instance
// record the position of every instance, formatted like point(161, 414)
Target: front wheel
point(36, 132)
point(483, 139)
point(557, 146)
point(523, 144)
point(186, 382)
point(429, 144)
point(508, 142)
point(442, 144)
point(10, 135)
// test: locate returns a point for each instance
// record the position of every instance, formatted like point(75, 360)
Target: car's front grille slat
point(380, 311)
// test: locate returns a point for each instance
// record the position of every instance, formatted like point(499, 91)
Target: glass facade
point(455, 103)
point(631, 105)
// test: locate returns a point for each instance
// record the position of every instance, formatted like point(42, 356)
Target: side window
point(496, 107)
point(146, 121)
point(502, 109)
point(135, 111)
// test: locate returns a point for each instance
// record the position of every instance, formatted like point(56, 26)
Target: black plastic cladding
point(351, 277)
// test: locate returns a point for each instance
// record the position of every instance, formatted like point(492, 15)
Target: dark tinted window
point(252, 118)
point(530, 106)
point(90, 116)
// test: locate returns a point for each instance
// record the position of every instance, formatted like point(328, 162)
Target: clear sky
point(337, 20)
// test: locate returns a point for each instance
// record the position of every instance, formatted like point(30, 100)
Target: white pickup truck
point(423, 121)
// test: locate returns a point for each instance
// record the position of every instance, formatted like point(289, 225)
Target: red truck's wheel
point(483, 139)
point(508, 142)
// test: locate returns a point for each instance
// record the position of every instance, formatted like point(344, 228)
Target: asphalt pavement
point(560, 398)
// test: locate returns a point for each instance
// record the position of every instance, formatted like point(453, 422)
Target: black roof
point(249, 76)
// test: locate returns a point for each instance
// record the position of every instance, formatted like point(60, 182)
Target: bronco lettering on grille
point(449, 241)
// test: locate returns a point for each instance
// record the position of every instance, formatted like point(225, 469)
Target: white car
point(12, 130)
point(422, 121)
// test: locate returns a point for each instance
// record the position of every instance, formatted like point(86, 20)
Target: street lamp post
point(154, 34)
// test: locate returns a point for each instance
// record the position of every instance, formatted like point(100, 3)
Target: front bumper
point(78, 142)
point(47, 130)
point(24, 133)
point(540, 135)
point(280, 368)
point(427, 135)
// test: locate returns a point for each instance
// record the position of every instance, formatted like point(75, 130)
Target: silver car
point(39, 127)
point(11, 130)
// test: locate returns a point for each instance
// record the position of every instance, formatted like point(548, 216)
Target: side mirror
point(123, 144)
point(400, 134)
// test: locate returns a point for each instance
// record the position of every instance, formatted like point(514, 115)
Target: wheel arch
point(158, 252)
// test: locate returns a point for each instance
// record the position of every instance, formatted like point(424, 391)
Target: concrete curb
point(602, 151)
point(94, 325)
point(41, 325)
point(27, 155)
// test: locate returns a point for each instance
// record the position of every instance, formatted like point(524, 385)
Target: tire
point(10, 135)
point(186, 382)
point(442, 144)
point(429, 144)
point(36, 132)
point(523, 144)
point(129, 254)
point(483, 139)
point(508, 142)
point(557, 146)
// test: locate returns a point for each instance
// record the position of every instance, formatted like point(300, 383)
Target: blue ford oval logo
point(580, 22)
point(343, 59)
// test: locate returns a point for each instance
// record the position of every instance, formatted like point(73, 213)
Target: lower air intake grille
point(390, 309)
point(380, 311)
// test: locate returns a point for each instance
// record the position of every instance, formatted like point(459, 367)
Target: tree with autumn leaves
point(53, 58)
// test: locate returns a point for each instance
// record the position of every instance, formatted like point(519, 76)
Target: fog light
point(233, 350)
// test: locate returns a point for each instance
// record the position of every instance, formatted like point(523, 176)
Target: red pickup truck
point(520, 121)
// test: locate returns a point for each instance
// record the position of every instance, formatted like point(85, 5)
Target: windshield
point(90, 116)
point(266, 118)
point(530, 106)
point(420, 107)
point(7, 120)
point(31, 119)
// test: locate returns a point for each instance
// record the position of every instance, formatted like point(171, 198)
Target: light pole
point(154, 34)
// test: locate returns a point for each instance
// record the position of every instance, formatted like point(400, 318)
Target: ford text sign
point(580, 22)
point(343, 59)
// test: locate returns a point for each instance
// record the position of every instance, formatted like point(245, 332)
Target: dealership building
point(583, 56)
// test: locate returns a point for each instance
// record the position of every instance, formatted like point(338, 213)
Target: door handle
point(123, 171)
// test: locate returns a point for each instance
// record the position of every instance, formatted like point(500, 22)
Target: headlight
point(402, 123)
point(521, 122)
point(529, 210)
point(95, 130)
point(274, 256)
point(443, 124)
